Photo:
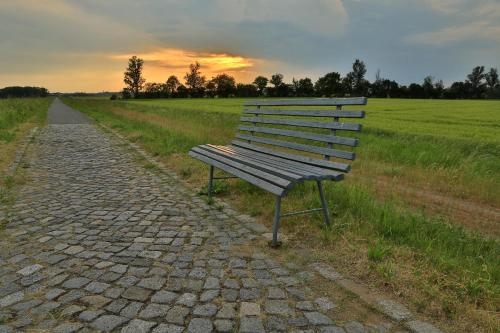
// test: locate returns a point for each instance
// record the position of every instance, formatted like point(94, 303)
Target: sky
point(83, 45)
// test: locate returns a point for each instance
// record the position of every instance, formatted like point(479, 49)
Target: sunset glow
point(160, 64)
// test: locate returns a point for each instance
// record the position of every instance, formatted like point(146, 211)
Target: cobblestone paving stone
point(97, 242)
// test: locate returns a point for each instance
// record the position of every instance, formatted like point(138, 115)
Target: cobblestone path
point(97, 242)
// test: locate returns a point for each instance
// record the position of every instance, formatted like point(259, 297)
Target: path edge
point(388, 307)
point(21, 151)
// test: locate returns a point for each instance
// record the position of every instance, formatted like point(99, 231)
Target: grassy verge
point(438, 268)
point(17, 118)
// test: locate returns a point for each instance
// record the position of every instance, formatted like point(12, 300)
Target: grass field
point(418, 217)
point(17, 117)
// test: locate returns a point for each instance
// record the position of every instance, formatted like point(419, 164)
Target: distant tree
point(492, 78)
point(304, 87)
point(154, 90)
point(172, 84)
point(224, 85)
point(348, 84)
point(294, 87)
point(438, 89)
point(458, 90)
point(21, 92)
point(356, 79)
point(428, 87)
point(276, 80)
point(113, 97)
point(182, 92)
point(126, 93)
point(246, 90)
point(476, 78)
point(195, 82)
point(133, 75)
point(415, 90)
point(261, 83)
point(328, 85)
point(279, 89)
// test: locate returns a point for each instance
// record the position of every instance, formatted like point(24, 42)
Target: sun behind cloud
point(159, 64)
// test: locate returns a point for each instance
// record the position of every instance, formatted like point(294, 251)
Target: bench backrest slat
point(309, 113)
point(298, 146)
point(287, 126)
point(309, 102)
point(304, 123)
point(303, 135)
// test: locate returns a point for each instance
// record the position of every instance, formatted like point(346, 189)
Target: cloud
point(460, 33)
point(446, 6)
point(471, 21)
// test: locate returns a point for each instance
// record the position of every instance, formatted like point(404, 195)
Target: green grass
point(16, 111)
point(447, 146)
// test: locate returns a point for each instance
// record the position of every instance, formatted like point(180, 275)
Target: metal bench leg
point(326, 213)
point(276, 224)
point(210, 180)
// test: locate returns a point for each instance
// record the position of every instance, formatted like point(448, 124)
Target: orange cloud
point(160, 64)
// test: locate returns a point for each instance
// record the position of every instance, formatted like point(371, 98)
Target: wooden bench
point(272, 150)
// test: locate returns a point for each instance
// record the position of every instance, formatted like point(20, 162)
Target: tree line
point(480, 83)
point(21, 92)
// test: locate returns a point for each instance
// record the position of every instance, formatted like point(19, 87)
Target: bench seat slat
point(303, 135)
point(309, 102)
point(300, 158)
point(289, 173)
point(307, 171)
point(302, 167)
point(304, 123)
point(236, 164)
point(299, 146)
point(308, 113)
point(282, 173)
point(276, 190)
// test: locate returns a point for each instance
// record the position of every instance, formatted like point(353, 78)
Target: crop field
point(17, 117)
point(418, 217)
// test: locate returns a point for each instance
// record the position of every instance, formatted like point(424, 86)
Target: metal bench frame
point(278, 171)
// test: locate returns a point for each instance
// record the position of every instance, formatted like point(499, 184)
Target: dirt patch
point(471, 215)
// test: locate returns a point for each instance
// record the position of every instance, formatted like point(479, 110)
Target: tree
point(276, 80)
point(195, 82)
point(492, 78)
point(246, 90)
point(475, 78)
point(359, 83)
point(428, 87)
point(224, 85)
point(415, 90)
point(261, 83)
point(154, 90)
point(438, 89)
point(172, 84)
point(182, 91)
point(126, 93)
point(328, 85)
point(304, 87)
point(133, 75)
point(348, 84)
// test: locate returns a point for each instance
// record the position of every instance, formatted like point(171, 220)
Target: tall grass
point(16, 111)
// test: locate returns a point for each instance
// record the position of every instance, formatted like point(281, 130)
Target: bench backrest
point(287, 124)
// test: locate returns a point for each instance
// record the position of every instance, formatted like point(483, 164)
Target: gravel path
point(97, 242)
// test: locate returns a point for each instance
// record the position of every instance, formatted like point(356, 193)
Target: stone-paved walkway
point(97, 242)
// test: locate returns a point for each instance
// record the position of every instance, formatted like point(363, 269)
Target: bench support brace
point(326, 213)
point(276, 224)
point(210, 180)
